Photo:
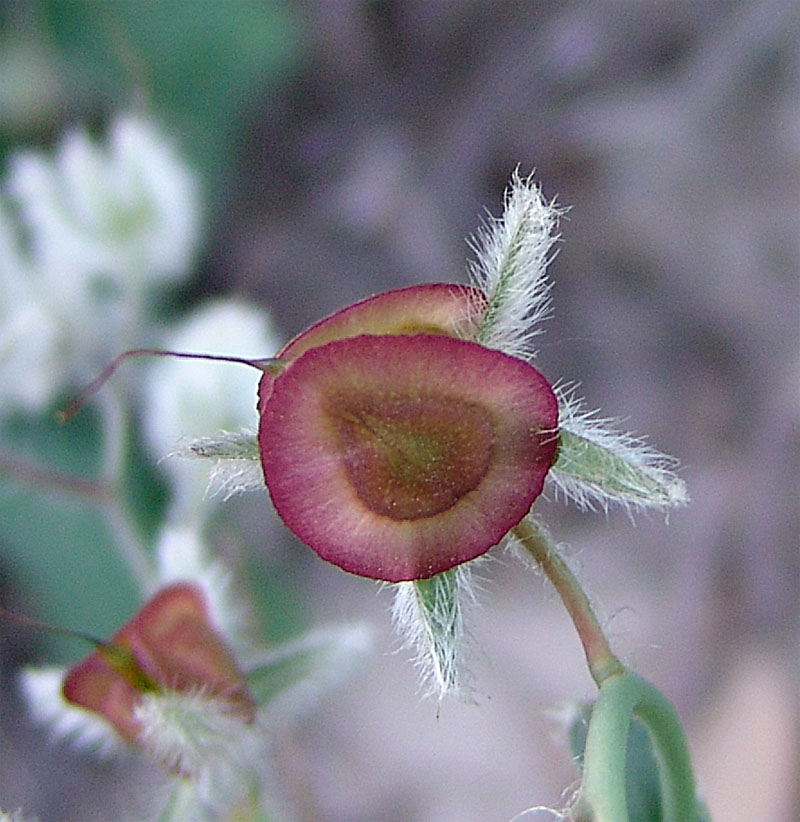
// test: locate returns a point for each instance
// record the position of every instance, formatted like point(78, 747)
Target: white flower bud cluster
point(185, 400)
point(85, 236)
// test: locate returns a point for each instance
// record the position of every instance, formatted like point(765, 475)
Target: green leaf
point(201, 64)
point(633, 756)
point(642, 787)
point(54, 544)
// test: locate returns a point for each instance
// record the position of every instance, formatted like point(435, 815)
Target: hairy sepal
point(429, 616)
point(597, 467)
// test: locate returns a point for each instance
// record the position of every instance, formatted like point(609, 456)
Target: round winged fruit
point(395, 446)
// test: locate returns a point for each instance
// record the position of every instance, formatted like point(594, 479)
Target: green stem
point(603, 786)
point(601, 660)
point(622, 695)
point(126, 539)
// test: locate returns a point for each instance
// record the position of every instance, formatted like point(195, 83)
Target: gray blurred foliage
point(673, 129)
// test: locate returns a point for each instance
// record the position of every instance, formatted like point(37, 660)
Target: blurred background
point(349, 147)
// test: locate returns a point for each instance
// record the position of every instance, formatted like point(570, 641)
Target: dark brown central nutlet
point(412, 457)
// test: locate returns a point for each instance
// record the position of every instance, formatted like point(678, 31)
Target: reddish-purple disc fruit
point(396, 447)
point(170, 644)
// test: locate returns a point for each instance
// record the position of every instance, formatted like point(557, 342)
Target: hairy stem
point(622, 696)
point(40, 476)
point(601, 660)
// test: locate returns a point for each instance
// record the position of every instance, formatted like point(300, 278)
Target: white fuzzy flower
point(16, 271)
point(90, 231)
point(126, 211)
point(30, 357)
point(186, 400)
point(31, 341)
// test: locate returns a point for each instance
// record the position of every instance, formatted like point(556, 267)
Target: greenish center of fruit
point(412, 457)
